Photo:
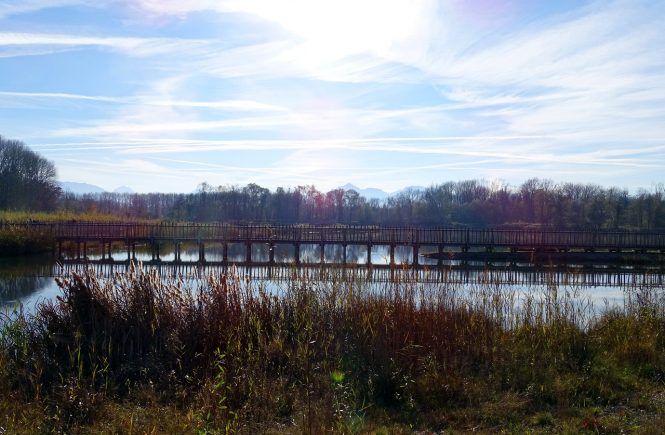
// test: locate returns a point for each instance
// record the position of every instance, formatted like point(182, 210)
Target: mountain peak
point(123, 189)
point(79, 188)
point(369, 193)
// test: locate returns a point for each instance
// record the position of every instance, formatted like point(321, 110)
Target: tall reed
point(328, 350)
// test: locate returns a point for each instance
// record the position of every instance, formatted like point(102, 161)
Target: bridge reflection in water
point(458, 274)
point(29, 282)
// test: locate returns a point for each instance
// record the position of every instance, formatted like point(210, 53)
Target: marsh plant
point(327, 352)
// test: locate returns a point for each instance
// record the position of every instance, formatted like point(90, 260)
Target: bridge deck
point(523, 239)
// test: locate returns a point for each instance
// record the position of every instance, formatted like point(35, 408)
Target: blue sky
point(161, 95)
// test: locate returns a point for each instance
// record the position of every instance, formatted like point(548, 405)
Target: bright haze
point(161, 95)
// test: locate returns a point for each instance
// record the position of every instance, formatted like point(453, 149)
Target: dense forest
point(28, 182)
point(469, 203)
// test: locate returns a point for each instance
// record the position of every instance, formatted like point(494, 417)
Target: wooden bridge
point(79, 235)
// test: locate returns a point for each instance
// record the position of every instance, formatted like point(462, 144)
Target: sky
point(162, 95)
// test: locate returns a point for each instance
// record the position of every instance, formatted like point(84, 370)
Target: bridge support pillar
point(129, 251)
point(225, 253)
point(416, 250)
point(439, 262)
point(248, 252)
point(60, 249)
point(177, 252)
point(344, 254)
point(369, 254)
point(85, 251)
point(271, 253)
point(392, 255)
point(296, 252)
point(78, 250)
point(322, 253)
point(202, 252)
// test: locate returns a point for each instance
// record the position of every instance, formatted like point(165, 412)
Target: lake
point(28, 281)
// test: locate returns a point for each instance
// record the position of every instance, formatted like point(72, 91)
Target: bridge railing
point(523, 238)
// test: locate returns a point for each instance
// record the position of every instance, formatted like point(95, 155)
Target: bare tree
point(27, 180)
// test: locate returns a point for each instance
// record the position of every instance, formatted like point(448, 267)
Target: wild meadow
point(143, 353)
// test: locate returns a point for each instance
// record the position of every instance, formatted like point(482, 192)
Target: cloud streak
point(234, 105)
point(17, 7)
point(128, 45)
point(456, 146)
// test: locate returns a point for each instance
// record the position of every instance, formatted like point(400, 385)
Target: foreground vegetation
point(140, 353)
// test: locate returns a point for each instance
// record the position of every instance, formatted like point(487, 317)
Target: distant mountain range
point(368, 193)
point(83, 188)
point(374, 193)
point(123, 189)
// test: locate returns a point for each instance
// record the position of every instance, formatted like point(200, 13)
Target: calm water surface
point(28, 281)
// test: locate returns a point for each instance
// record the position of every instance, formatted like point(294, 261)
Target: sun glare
point(343, 27)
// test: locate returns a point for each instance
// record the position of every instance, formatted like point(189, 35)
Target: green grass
point(329, 354)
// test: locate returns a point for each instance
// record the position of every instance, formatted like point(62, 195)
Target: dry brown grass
point(327, 354)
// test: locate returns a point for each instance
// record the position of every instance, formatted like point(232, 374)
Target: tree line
point(470, 203)
point(28, 182)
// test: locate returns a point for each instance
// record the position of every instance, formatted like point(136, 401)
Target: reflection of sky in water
point(283, 253)
point(29, 281)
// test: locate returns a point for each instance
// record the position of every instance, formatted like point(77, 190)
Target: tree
point(27, 180)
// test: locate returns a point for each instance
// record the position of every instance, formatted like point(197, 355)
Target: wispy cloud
point(128, 45)
point(16, 7)
point(481, 147)
point(60, 95)
point(235, 105)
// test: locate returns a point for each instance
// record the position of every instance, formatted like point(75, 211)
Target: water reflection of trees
point(20, 278)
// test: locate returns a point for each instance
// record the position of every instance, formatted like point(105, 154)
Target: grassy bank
point(63, 216)
point(16, 240)
point(138, 353)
